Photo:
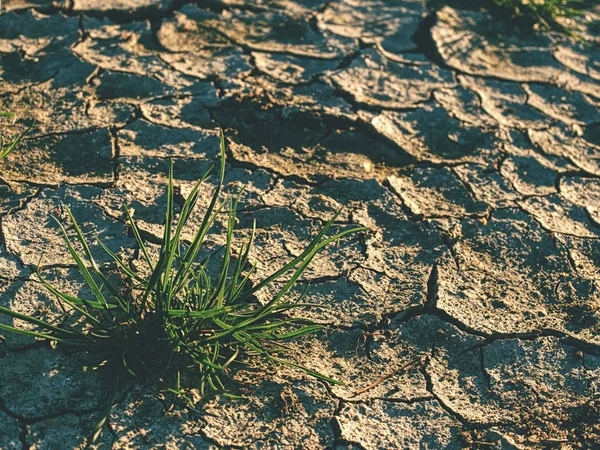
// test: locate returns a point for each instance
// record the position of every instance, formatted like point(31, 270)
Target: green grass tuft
point(173, 317)
point(543, 13)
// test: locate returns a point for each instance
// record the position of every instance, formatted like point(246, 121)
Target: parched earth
point(467, 317)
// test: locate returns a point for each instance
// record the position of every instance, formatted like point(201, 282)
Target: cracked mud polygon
point(467, 317)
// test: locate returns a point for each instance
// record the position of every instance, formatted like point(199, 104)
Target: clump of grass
point(7, 147)
point(173, 318)
point(543, 13)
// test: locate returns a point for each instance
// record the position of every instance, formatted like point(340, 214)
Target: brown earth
point(468, 317)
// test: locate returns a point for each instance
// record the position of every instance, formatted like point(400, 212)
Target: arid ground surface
point(467, 317)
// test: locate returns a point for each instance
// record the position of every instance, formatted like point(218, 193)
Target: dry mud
point(468, 317)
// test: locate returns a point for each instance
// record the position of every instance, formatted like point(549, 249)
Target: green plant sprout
point(8, 147)
point(173, 318)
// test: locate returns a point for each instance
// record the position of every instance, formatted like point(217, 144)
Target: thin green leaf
point(83, 269)
point(138, 238)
